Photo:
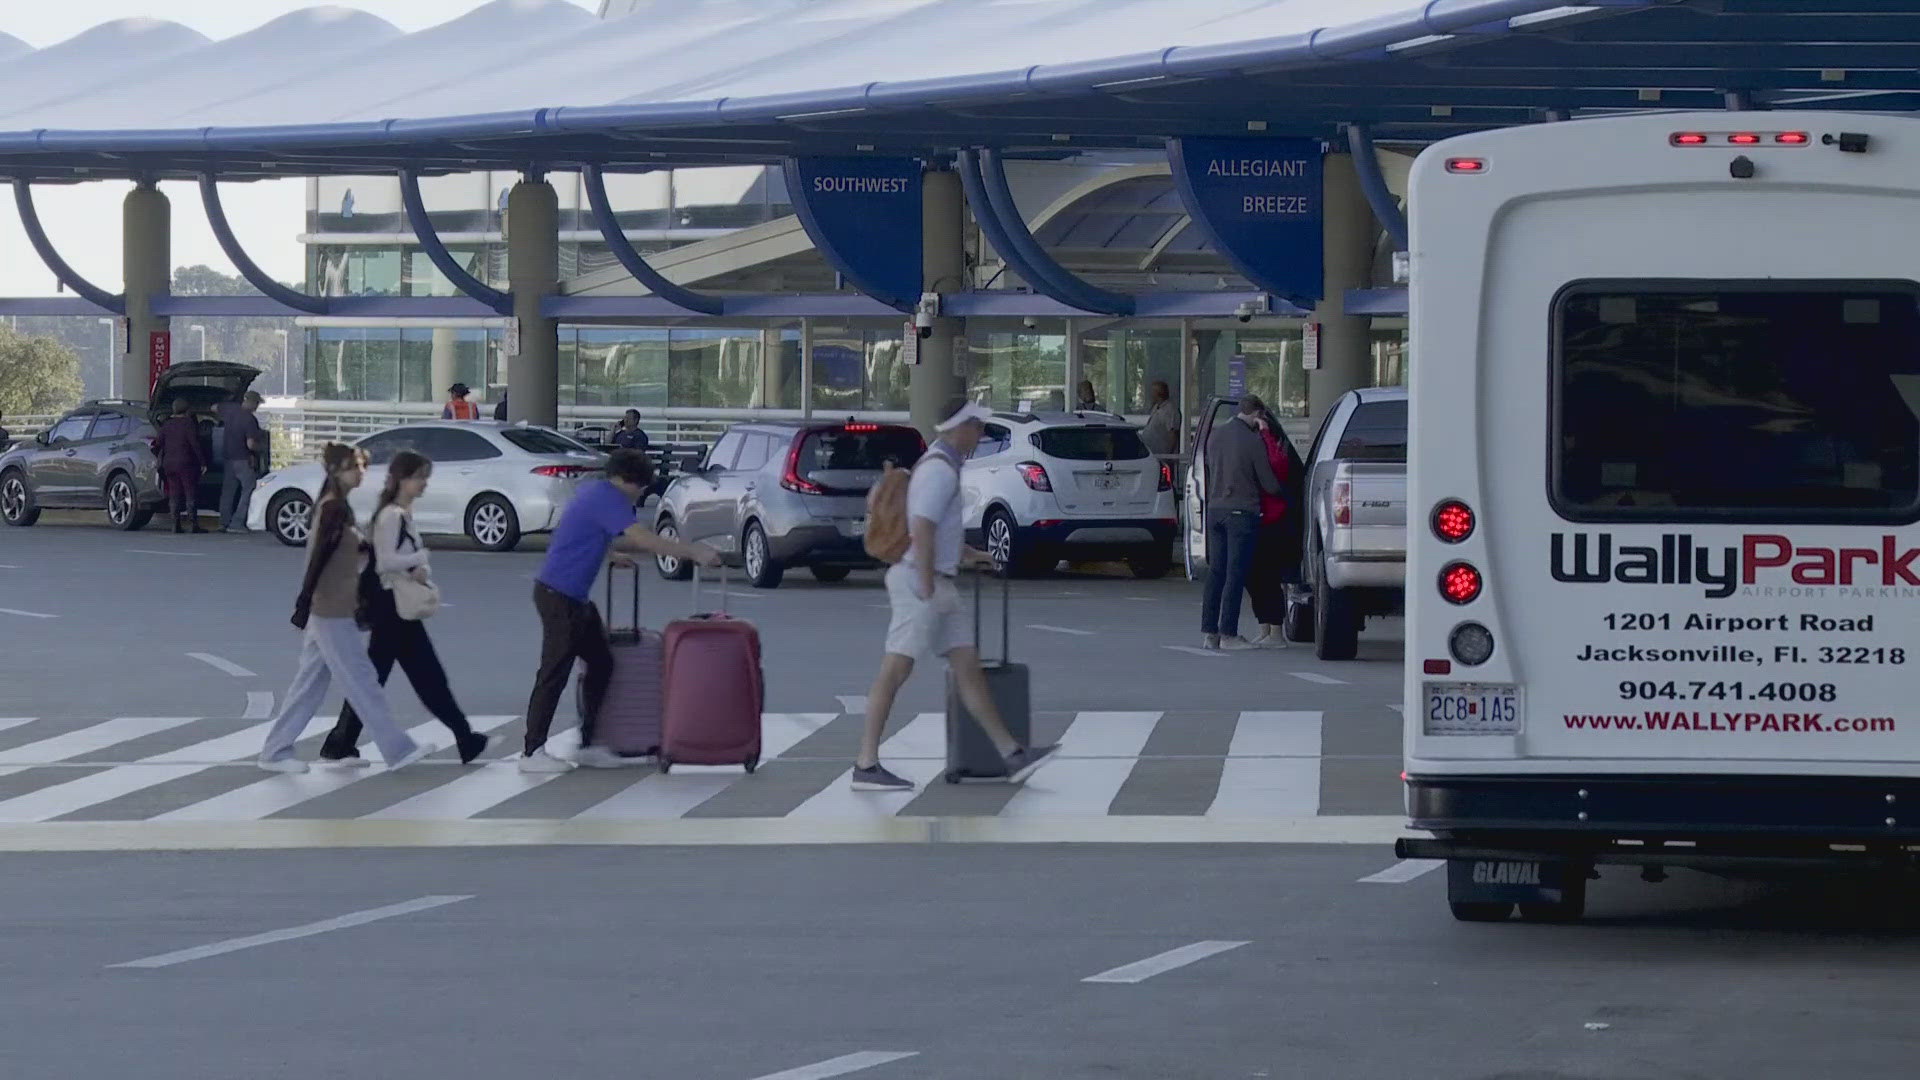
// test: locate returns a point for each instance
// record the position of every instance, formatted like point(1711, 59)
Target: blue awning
point(332, 90)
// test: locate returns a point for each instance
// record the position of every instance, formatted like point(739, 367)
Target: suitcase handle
point(722, 587)
point(1006, 614)
point(613, 570)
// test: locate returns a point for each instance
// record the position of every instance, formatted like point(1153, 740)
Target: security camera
point(1246, 311)
point(1030, 322)
point(924, 313)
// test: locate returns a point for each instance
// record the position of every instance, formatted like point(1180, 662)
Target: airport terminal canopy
point(544, 84)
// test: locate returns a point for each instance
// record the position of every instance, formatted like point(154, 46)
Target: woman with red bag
point(1276, 559)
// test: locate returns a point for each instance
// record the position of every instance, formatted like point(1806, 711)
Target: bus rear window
point(1738, 401)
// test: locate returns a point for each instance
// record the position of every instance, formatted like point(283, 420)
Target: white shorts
point(922, 628)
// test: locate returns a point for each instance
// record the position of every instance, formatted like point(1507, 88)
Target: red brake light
point(565, 472)
point(1453, 521)
point(1793, 138)
point(791, 479)
point(1744, 138)
point(861, 428)
point(1466, 165)
point(1342, 502)
point(1437, 667)
point(1460, 583)
point(1035, 475)
point(1690, 138)
point(1166, 477)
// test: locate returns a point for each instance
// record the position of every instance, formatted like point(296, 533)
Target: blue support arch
point(229, 243)
point(985, 177)
point(636, 264)
point(1366, 163)
point(865, 216)
point(67, 275)
point(437, 252)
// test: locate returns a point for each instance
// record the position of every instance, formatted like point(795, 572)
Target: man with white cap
point(928, 615)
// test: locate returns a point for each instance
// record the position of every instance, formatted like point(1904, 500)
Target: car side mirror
point(44, 439)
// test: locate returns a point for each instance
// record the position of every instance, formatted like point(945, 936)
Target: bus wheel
point(1571, 906)
point(1477, 911)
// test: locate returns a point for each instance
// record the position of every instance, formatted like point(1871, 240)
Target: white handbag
point(414, 600)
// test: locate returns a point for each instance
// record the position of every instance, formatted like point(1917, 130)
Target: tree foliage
point(38, 375)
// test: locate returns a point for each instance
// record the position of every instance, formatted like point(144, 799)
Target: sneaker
point(875, 777)
point(1270, 638)
point(471, 747)
point(1235, 643)
point(354, 761)
point(542, 762)
point(1025, 761)
point(419, 751)
point(599, 757)
point(1210, 642)
point(283, 765)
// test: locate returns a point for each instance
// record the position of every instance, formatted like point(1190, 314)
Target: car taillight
point(1035, 476)
point(1460, 583)
point(1342, 502)
point(1166, 477)
point(1453, 521)
point(1468, 165)
point(565, 472)
point(791, 479)
point(859, 429)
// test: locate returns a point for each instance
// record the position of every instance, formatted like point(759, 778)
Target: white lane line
point(176, 554)
point(1272, 768)
point(1059, 630)
point(687, 786)
point(918, 751)
point(852, 704)
point(273, 794)
point(1401, 709)
point(1098, 753)
point(1165, 962)
point(259, 705)
point(1404, 871)
point(26, 614)
point(1192, 650)
point(1316, 677)
point(99, 736)
point(8, 566)
point(841, 1066)
point(227, 666)
point(325, 926)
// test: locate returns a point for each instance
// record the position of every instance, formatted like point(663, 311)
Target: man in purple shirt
point(600, 516)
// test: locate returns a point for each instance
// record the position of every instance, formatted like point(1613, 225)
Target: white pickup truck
point(1355, 563)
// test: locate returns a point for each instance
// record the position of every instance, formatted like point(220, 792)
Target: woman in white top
point(398, 552)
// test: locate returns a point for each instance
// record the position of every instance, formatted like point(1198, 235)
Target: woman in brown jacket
point(182, 460)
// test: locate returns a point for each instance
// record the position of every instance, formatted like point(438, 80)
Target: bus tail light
point(1453, 521)
point(1035, 474)
point(1342, 502)
point(1460, 583)
point(1471, 644)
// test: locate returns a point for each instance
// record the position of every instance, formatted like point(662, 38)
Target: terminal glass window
point(1738, 401)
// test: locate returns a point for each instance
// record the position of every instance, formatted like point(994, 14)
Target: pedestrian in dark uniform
point(182, 460)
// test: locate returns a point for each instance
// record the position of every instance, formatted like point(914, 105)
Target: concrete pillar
point(943, 228)
point(147, 265)
point(1346, 350)
point(444, 366)
point(767, 395)
point(1075, 362)
point(533, 274)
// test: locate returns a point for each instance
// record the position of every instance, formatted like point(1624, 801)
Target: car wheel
point(1297, 625)
point(671, 568)
point(1009, 555)
point(492, 524)
point(16, 500)
point(831, 574)
point(124, 511)
point(762, 571)
point(1336, 625)
point(290, 518)
point(1151, 564)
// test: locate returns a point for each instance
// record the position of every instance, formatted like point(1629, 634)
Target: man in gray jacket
point(1237, 473)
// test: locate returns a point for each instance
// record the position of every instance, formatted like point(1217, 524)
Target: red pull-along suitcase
point(714, 689)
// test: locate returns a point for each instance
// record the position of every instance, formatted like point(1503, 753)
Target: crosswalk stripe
point(1096, 755)
point(918, 752)
point(1276, 734)
point(72, 744)
point(481, 790)
point(276, 793)
point(686, 787)
point(1272, 767)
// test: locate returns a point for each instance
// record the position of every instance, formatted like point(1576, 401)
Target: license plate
point(1472, 709)
point(1104, 482)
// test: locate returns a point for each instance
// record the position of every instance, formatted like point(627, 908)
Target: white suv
point(1077, 486)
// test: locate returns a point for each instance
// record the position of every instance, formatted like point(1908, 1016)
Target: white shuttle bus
point(1664, 566)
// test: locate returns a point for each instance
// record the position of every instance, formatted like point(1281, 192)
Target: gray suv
point(100, 455)
point(781, 494)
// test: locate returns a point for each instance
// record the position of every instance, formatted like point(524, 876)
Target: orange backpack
point(887, 535)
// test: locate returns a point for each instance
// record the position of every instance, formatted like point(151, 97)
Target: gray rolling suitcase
point(629, 723)
point(970, 754)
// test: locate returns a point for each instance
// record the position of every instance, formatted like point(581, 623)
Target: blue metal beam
point(1366, 162)
point(229, 243)
point(984, 176)
point(66, 274)
point(437, 252)
point(636, 264)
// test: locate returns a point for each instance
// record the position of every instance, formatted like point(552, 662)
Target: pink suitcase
point(714, 691)
point(630, 717)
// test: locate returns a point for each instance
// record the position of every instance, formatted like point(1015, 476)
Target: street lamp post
point(202, 331)
point(112, 363)
point(283, 362)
